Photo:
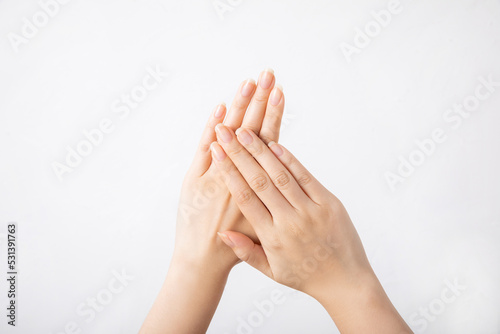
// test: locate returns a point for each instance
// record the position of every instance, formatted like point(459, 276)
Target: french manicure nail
point(248, 88)
point(266, 78)
point(226, 239)
point(277, 150)
point(276, 96)
point(223, 133)
point(244, 137)
point(218, 152)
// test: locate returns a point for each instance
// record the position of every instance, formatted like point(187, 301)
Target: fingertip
point(269, 69)
point(237, 239)
point(225, 238)
point(217, 151)
point(220, 110)
point(248, 87)
point(266, 79)
point(276, 148)
point(276, 96)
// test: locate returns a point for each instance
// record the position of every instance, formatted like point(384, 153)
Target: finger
point(240, 104)
point(246, 250)
point(203, 159)
point(312, 187)
point(278, 173)
point(257, 108)
point(271, 124)
point(251, 171)
point(250, 205)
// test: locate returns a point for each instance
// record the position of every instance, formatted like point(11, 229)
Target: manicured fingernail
point(218, 152)
point(276, 95)
point(248, 88)
point(244, 136)
point(223, 133)
point(277, 150)
point(226, 239)
point(266, 78)
point(220, 110)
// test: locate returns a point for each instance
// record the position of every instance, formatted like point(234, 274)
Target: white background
point(348, 122)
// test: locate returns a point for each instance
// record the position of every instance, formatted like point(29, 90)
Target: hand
point(306, 235)
point(307, 240)
point(206, 206)
point(201, 262)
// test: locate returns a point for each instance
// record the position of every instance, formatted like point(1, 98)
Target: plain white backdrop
point(350, 118)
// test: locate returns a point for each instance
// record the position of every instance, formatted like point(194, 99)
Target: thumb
point(246, 250)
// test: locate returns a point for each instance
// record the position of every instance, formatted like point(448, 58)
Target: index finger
point(248, 202)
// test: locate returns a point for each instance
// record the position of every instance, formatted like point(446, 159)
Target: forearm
point(362, 306)
point(187, 300)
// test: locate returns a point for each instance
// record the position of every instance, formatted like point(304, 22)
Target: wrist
point(191, 290)
point(363, 297)
point(207, 264)
point(341, 287)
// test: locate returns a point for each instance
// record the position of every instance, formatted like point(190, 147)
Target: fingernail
point(220, 110)
point(223, 133)
point(277, 150)
point(226, 239)
point(217, 152)
point(276, 95)
point(248, 88)
point(266, 78)
point(244, 136)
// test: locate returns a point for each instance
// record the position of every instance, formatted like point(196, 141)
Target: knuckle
point(236, 150)
point(244, 197)
point(275, 241)
point(282, 180)
point(231, 169)
point(259, 182)
point(290, 161)
point(257, 149)
point(210, 125)
point(239, 104)
point(260, 99)
point(304, 179)
point(245, 257)
point(204, 148)
point(273, 118)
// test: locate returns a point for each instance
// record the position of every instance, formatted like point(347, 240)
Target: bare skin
point(201, 262)
point(307, 240)
point(251, 194)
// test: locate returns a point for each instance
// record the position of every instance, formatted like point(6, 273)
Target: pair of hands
point(262, 202)
point(247, 198)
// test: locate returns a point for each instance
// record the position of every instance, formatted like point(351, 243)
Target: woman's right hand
point(307, 240)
